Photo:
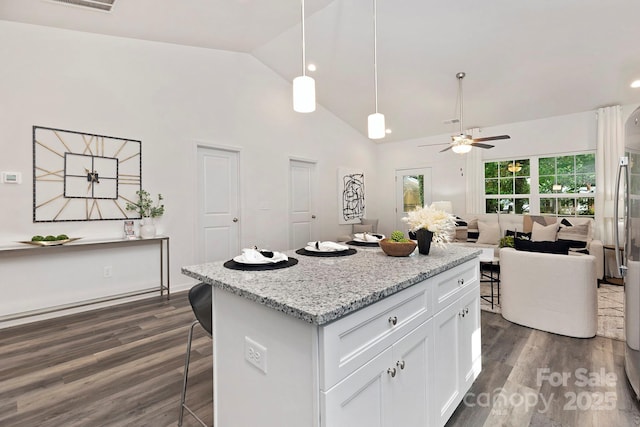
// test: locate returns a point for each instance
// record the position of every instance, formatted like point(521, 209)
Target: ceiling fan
point(462, 142)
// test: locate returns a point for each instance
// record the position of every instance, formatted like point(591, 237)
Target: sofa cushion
point(489, 233)
point(544, 233)
point(561, 248)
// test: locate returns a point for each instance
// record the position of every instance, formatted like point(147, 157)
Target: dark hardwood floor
point(521, 383)
point(118, 366)
point(122, 366)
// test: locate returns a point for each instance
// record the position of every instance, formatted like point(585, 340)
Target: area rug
point(610, 309)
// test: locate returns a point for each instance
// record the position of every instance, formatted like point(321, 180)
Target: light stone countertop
point(319, 290)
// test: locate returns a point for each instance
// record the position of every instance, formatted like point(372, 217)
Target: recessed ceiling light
point(311, 67)
point(635, 84)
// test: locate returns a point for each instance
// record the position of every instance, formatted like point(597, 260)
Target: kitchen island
point(360, 340)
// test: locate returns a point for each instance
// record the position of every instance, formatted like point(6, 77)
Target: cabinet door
point(363, 398)
point(447, 393)
point(470, 344)
point(411, 386)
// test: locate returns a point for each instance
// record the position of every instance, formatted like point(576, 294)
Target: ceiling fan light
point(304, 94)
point(461, 148)
point(376, 126)
point(514, 167)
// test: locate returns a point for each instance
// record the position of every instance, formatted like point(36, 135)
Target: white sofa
point(523, 223)
point(553, 293)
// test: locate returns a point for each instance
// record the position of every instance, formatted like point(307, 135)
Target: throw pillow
point(461, 233)
point(576, 234)
point(516, 233)
point(560, 248)
point(529, 220)
point(542, 233)
point(359, 228)
point(489, 233)
point(472, 231)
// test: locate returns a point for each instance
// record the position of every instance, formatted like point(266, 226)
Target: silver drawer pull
point(460, 282)
point(393, 320)
point(461, 314)
point(392, 372)
point(400, 364)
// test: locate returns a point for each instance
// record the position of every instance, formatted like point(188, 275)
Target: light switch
point(11, 177)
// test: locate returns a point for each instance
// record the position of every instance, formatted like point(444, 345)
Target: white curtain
point(609, 149)
point(475, 182)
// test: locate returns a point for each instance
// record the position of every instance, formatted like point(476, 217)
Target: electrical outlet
point(107, 271)
point(256, 354)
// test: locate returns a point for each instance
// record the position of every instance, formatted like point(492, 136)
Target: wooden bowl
point(392, 248)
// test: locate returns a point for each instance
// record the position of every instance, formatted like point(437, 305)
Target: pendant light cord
point(304, 56)
point(461, 103)
point(375, 51)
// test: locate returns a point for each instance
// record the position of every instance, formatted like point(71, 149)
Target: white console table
point(9, 252)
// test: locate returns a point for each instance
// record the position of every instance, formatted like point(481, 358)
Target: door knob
point(313, 217)
point(392, 372)
point(400, 364)
point(235, 219)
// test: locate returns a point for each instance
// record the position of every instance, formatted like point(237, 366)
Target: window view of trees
point(507, 186)
point(570, 182)
point(565, 185)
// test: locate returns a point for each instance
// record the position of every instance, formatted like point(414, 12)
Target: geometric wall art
point(351, 201)
point(84, 177)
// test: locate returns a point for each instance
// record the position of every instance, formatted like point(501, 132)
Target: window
point(507, 186)
point(567, 185)
point(560, 185)
point(412, 192)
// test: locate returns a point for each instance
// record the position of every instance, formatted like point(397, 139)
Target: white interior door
point(302, 203)
point(413, 190)
point(218, 204)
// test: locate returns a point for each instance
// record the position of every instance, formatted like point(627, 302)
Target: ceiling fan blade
point(448, 148)
point(491, 138)
point(434, 145)
point(477, 144)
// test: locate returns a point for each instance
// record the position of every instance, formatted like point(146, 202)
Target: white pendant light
point(376, 126)
point(304, 87)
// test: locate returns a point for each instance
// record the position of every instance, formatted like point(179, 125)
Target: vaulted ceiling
point(524, 59)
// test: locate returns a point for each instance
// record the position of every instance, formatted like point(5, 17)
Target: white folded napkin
point(325, 246)
point(366, 237)
point(253, 256)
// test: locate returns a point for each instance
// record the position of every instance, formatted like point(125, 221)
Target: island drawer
point(450, 284)
point(351, 341)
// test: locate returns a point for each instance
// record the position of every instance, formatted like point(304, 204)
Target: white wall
point(171, 98)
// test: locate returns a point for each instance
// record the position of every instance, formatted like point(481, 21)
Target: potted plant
point(431, 225)
point(147, 210)
point(397, 244)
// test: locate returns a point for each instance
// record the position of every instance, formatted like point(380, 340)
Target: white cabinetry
point(422, 364)
point(457, 356)
point(403, 361)
point(392, 389)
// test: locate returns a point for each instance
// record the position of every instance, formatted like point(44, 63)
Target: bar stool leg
point(183, 396)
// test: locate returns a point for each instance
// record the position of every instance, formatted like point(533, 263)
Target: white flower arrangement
point(440, 223)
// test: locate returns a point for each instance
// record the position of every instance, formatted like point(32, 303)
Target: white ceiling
point(524, 59)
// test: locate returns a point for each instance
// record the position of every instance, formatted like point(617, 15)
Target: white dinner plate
point(314, 249)
point(277, 257)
